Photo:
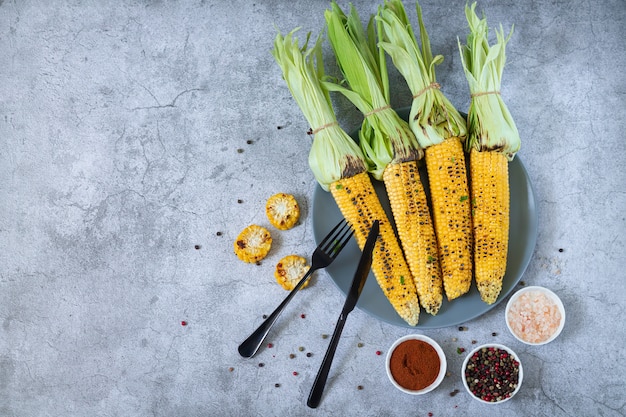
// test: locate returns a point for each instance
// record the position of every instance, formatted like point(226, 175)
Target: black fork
point(325, 253)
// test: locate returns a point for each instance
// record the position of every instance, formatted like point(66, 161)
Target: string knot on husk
point(483, 93)
point(425, 89)
point(322, 127)
point(378, 110)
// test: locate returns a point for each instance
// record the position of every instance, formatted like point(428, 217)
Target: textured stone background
point(129, 131)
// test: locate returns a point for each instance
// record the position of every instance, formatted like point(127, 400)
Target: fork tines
point(340, 235)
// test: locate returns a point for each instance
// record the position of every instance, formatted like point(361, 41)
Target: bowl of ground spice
point(416, 364)
point(535, 315)
point(492, 373)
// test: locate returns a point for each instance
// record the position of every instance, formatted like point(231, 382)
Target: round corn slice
point(282, 211)
point(253, 243)
point(290, 270)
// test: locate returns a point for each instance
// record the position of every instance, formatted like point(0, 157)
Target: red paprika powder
point(414, 364)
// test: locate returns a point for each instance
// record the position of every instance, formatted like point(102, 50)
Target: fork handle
point(251, 345)
point(322, 375)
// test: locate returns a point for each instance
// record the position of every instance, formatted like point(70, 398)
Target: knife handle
point(322, 375)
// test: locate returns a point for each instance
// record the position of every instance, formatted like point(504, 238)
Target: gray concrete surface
point(132, 131)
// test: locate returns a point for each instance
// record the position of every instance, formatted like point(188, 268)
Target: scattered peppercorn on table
point(139, 141)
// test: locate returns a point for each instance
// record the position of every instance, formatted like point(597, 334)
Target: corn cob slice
point(493, 141)
point(340, 167)
point(415, 230)
point(253, 243)
point(490, 213)
point(290, 270)
point(440, 131)
point(360, 206)
point(282, 211)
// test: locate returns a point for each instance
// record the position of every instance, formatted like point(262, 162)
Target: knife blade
point(362, 270)
point(360, 277)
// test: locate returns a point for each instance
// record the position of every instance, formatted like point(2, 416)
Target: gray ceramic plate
point(522, 239)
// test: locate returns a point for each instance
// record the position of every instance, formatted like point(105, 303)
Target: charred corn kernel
point(489, 173)
point(290, 270)
point(282, 211)
point(253, 243)
point(416, 232)
point(447, 176)
point(359, 204)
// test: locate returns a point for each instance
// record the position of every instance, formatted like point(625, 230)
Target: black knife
point(360, 276)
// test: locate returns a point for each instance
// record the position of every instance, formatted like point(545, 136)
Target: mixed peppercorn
point(492, 374)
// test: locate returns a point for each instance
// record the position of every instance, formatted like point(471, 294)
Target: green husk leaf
point(384, 136)
point(334, 154)
point(433, 118)
point(491, 126)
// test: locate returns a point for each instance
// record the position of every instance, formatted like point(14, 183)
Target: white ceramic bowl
point(442, 364)
point(529, 314)
point(498, 346)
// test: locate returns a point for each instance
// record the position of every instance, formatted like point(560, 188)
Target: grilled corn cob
point(415, 230)
point(360, 205)
point(490, 208)
point(440, 130)
point(340, 167)
point(388, 142)
point(493, 141)
point(445, 163)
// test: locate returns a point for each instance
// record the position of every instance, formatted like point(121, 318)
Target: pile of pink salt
point(534, 316)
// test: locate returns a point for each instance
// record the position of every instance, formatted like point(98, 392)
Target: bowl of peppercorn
point(492, 373)
point(416, 364)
